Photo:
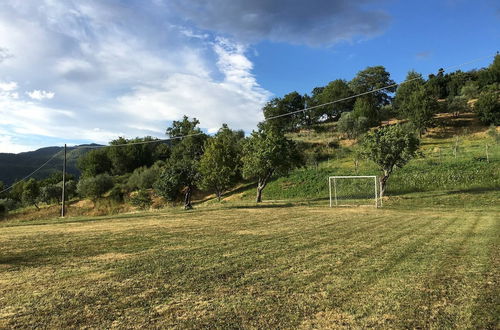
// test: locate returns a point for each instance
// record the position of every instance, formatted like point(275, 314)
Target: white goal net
point(354, 190)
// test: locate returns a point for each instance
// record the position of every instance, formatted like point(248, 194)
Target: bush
point(144, 177)
point(117, 193)
point(51, 193)
point(10, 203)
point(3, 210)
point(94, 187)
point(353, 126)
point(488, 108)
point(141, 199)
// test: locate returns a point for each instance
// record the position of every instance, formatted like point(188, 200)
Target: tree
point(470, 90)
point(51, 193)
point(2, 187)
point(364, 107)
point(404, 91)
point(95, 187)
point(181, 173)
point(220, 165)
point(390, 147)
point(437, 84)
point(125, 159)
point(335, 91)
point(31, 193)
point(372, 79)
point(488, 108)
point(352, 126)
point(94, 162)
point(266, 153)
point(282, 106)
point(419, 108)
point(457, 104)
point(145, 177)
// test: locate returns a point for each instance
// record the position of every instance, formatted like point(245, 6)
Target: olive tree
point(220, 165)
point(390, 147)
point(266, 153)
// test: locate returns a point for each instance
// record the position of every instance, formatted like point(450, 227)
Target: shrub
point(353, 126)
point(94, 187)
point(117, 193)
point(141, 199)
point(144, 177)
point(3, 210)
point(488, 108)
point(51, 193)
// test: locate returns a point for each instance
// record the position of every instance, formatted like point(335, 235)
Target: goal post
point(357, 190)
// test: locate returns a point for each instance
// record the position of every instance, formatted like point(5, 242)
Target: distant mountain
point(16, 166)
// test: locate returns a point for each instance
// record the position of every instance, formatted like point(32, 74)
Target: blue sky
point(90, 71)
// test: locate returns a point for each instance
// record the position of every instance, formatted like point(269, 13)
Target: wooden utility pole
point(64, 184)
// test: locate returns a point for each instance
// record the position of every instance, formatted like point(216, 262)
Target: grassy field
point(278, 265)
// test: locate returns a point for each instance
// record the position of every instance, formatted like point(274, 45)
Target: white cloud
point(40, 95)
point(126, 69)
point(8, 86)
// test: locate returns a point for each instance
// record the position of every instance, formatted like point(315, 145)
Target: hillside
point(16, 166)
point(452, 158)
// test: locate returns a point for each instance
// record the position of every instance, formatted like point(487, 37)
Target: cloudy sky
point(92, 70)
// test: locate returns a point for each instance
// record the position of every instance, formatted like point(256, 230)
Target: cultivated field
point(278, 265)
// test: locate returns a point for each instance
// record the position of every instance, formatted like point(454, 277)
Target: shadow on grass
point(261, 206)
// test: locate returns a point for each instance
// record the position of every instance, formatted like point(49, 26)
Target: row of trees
point(417, 100)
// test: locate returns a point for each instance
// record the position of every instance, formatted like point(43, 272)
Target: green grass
point(429, 259)
point(279, 265)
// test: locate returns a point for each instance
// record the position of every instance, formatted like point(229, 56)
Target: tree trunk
point(261, 184)
point(383, 182)
point(37, 208)
point(219, 195)
point(259, 193)
point(187, 199)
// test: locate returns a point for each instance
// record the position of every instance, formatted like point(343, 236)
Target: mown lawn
point(280, 265)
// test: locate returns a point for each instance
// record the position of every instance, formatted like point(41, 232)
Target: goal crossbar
point(334, 179)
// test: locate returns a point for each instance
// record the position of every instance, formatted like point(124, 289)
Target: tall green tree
point(94, 162)
point(413, 81)
point(220, 165)
point(390, 147)
point(284, 107)
point(336, 90)
point(125, 159)
point(268, 153)
point(181, 172)
point(372, 79)
point(365, 108)
point(421, 108)
point(437, 84)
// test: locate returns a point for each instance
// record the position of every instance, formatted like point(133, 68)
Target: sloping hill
point(16, 166)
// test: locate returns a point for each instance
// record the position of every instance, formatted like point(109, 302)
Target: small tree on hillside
point(31, 193)
point(390, 147)
point(266, 153)
point(488, 108)
point(95, 187)
point(364, 107)
point(420, 109)
point(181, 172)
point(220, 165)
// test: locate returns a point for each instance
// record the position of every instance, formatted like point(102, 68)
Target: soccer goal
point(354, 190)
